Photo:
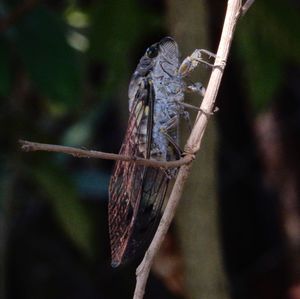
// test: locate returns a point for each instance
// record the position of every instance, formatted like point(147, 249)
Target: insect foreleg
point(192, 61)
point(197, 88)
point(208, 53)
point(185, 113)
point(186, 105)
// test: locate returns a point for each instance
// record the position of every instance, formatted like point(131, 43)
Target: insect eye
point(152, 51)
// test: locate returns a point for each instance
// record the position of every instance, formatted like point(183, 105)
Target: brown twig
point(29, 146)
point(193, 145)
point(19, 11)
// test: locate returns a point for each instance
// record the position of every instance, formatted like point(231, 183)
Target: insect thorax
point(168, 90)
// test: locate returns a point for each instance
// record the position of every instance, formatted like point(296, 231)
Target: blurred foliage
point(64, 70)
point(60, 64)
point(56, 186)
point(51, 63)
point(127, 23)
point(267, 40)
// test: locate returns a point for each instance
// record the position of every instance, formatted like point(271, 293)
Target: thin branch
point(246, 6)
point(192, 146)
point(18, 12)
point(29, 146)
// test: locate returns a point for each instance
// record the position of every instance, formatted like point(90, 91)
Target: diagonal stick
point(193, 144)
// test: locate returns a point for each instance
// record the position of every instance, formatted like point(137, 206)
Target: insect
point(136, 192)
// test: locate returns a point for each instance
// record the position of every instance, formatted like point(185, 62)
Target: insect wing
point(124, 190)
point(155, 184)
point(136, 192)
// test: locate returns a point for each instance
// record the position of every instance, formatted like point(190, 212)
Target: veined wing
point(136, 192)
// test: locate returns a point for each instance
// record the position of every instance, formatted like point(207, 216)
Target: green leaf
point(71, 214)
point(51, 63)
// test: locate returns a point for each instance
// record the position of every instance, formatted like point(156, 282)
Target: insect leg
point(186, 117)
point(208, 53)
point(192, 61)
point(167, 128)
point(197, 88)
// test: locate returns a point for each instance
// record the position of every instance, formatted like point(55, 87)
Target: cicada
point(137, 192)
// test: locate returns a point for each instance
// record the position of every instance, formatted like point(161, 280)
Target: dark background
point(64, 72)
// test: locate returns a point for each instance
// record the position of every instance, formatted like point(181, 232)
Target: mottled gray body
point(168, 94)
point(168, 89)
point(137, 192)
